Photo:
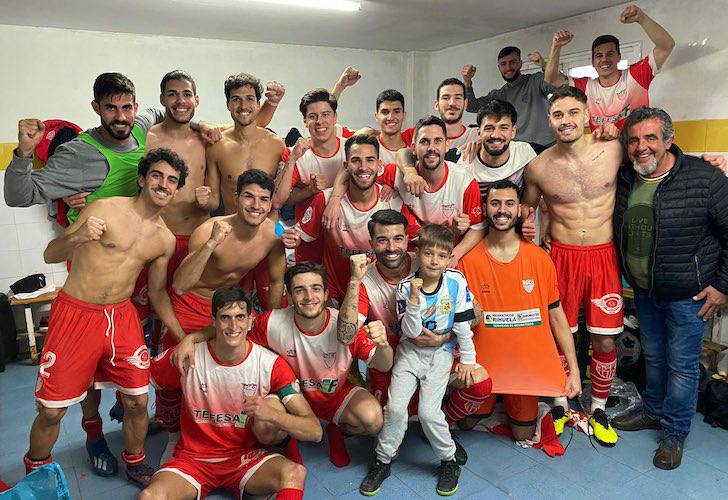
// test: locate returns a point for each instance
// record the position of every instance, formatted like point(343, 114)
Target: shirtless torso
point(104, 271)
point(185, 212)
point(578, 186)
point(237, 152)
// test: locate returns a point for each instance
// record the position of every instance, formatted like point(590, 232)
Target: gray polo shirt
point(529, 99)
point(75, 167)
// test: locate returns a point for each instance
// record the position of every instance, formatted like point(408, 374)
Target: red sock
point(289, 494)
point(602, 367)
point(292, 452)
point(133, 459)
point(93, 427)
point(464, 402)
point(31, 464)
point(337, 448)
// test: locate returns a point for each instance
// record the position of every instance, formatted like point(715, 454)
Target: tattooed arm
point(348, 324)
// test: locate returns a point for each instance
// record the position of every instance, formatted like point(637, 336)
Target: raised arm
point(664, 43)
point(408, 309)
point(157, 289)
point(276, 270)
point(383, 355)
point(348, 78)
point(348, 322)
point(86, 228)
point(551, 73)
point(274, 92)
point(284, 179)
point(203, 242)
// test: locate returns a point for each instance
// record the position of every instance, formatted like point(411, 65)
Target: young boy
point(437, 299)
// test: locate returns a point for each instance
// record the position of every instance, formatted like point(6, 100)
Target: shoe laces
point(448, 470)
point(669, 442)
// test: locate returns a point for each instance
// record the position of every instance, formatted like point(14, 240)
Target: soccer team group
point(404, 261)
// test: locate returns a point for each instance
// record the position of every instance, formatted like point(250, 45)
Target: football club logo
point(250, 389)
point(448, 210)
point(528, 285)
point(610, 303)
point(307, 215)
point(291, 353)
point(446, 305)
point(140, 358)
point(329, 358)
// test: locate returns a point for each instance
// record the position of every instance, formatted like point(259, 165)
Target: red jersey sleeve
point(642, 71)
point(285, 155)
point(310, 224)
point(364, 303)
point(283, 381)
point(346, 132)
point(388, 175)
point(259, 333)
point(408, 135)
point(162, 372)
point(296, 177)
point(580, 83)
point(362, 348)
point(413, 224)
point(473, 203)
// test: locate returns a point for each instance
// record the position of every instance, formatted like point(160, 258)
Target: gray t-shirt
point(529, 99)
point(75, 167)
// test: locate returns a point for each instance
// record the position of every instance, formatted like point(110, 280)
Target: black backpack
point(714, 403)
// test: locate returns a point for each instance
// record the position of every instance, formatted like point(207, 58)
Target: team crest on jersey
point(203, 388)
point(477, 211)
point(485, 288)
point(291, 353)
point(446, 305)
point(307, 215)
point(528, 285)
point(140, 358)
point(329, 358)
point(448, 210)
point(250, 389)
point(610, 303)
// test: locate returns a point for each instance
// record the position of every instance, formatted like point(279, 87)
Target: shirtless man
point(577, 178)
point(244, 146)
point(109, 243)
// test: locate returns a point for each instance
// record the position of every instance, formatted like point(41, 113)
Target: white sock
point(562, 401)
point(172, 439)
point(598, 403)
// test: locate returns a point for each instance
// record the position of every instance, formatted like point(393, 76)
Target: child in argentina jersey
point(448, 307)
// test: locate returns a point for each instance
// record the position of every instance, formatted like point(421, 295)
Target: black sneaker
point(461, 456)
point(447, 478)
point(372, 482)
point(669, 455)
point(140, 474)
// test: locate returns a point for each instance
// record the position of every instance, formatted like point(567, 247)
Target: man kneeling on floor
point(238, 398)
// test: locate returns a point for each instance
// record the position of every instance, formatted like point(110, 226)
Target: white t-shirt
point(520, 154)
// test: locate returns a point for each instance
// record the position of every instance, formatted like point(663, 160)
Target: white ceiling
point(380, 24)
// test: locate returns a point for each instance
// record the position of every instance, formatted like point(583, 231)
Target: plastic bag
point(46, 483)
point(623, 398)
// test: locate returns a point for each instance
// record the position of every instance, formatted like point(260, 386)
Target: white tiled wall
point(24, 234)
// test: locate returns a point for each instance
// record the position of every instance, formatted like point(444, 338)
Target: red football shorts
point(181, 249)
point(331, 406)
point(89, 343)
point(521, 410)
point(193, 312)
point(258, 279)
point(589, 276)
point(231, 474)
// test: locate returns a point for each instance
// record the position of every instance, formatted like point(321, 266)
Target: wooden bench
point(30, 327)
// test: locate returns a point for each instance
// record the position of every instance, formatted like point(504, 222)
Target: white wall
point(692, 84)
point(49, 73)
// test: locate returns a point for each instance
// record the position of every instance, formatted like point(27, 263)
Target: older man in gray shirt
point(527, 93)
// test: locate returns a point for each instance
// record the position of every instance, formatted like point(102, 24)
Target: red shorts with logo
point(193, 312)
point(521, 410)
point(91, 342)
point(331, 406)
point(258, 279)
point(231, 474)
point(589, 276)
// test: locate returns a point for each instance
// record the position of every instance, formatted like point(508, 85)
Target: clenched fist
point(202, 196)
point(468, 72)
point(349, 77)
point(376, 332)
point(460, 223)
point(318, 183)
point(274, 92)
point(358, 264)
point(415, 287)
point(632, 14)
point(220, 230)
point(30, 133)
point(302, 145)
point(562, 37)
point(92, 229)
point(291, 238)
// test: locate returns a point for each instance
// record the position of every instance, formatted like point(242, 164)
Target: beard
point(511, 223)
point(307, 313)
point(363, 187)
point(645, 170)
point(496, 152)
point(513, 78)
point(428, 166)
point(391, 264)
point(185, 121)
point(452, 121)
point(115, 133)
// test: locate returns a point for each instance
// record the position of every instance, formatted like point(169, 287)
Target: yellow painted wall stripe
point(693, 136)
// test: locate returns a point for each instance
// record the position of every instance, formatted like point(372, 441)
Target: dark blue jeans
point(672, 337)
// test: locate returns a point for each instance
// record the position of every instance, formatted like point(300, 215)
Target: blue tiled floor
point(497, 468)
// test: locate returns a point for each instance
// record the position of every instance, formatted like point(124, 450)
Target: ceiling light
point(346, 5)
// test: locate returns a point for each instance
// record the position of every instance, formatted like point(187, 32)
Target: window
point(578, 64)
